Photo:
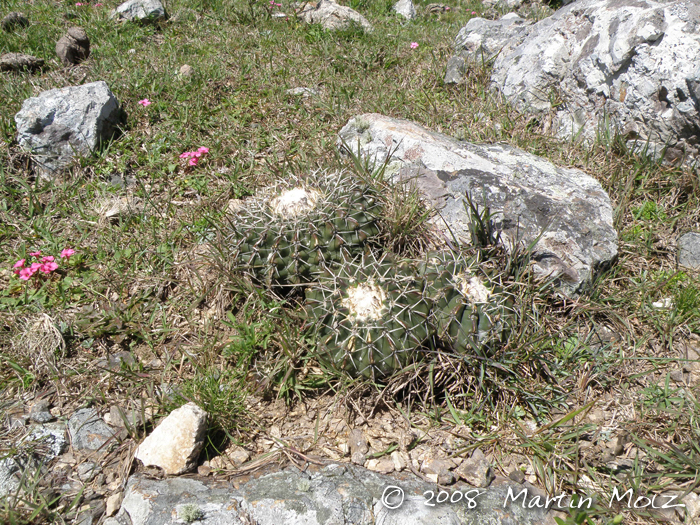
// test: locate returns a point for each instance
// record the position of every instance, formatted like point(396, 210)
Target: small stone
point(664, 304)
point(204, 470)
point(87, 471)
point(677, 376)
point(399, 459)
point(476, 470)
point(73, 47)
point(186, 71)
point(358, 446)
point(52, 439)
point(20, 62)
point(439, 471)
point(88, 431)
point(125, 418)
point(40, 413)
point(692, 506)
point(517, 476)
point(113, 504)
point(14, 20)
point(689, 250)
point(239, 455)
point(302, 92)
point(383, 465)
point(176, 442)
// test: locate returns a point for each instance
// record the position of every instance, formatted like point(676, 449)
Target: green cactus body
point(370, 317)
point(467, 316)
point(290, 232)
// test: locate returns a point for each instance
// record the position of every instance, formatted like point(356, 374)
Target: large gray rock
point(528, 196)
point(60, 124)
point(140, 11)
point(334, 495)
point(332, 15)
point(606, 66)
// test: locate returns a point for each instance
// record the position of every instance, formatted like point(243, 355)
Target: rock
point(517, 476)
point(623, 62)
point(20, 62)
point(384, 465)
point(140, 11)
point(87, 471)
point(40, 411)
point(438, 471)
point(186, 71)
point(176, 442)
point(332, 16)
point(476, 470)
point(527, 195)
point(331, 495)
point(400, 460)
point(10, 473)
point(692, 506)
point(62, 123)
point(88, 431)
point(50, 439)
point(481, 40)
point(13, 21)
point(689, 250)
point(73, 47)
point(405, 8)
point(302, 91)
point(113, 504)
point(357, 442)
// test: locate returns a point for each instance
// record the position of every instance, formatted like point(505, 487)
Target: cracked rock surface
point(633, 62)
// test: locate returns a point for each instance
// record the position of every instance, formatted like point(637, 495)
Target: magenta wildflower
point(35, 254)
point(145, 102)
point(414, 45)
point(20, 263)
point(66, 253)
point(26, 273)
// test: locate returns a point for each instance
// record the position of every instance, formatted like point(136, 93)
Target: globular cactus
point(370, 317)
point(468, 317)
point(291, 231)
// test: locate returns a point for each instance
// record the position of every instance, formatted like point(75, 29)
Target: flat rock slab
point(601, 66)
point(60, 124)
point(336, 494)
point(528, 196)
point(331, 15)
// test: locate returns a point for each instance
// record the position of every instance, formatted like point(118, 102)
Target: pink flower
point(35, 266)
point(48, 267)
point(26, 273)
point(35, 254)
point(203, 150)
point(98, 5)
point(48, 258)
point(78, 4)
point(20, 263)
point(193, 161)
point(447, 8)
point(473, 12)
point(414, 45)
point(145, 102)
point(194, 155)
point(66, 253)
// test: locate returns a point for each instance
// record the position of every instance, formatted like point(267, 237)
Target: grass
point(145, 281)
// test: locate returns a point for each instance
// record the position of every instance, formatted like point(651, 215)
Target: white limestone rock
point(331, 15)
point(176, 442)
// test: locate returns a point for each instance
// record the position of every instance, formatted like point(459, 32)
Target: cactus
point(370, 317)
point(293, 230)
point(467, 316)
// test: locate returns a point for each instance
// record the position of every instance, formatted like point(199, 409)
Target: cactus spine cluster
point(370, 317)
point(292, 231)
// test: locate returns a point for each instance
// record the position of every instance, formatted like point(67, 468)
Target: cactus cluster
point(291, 231)
point(370, 316)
